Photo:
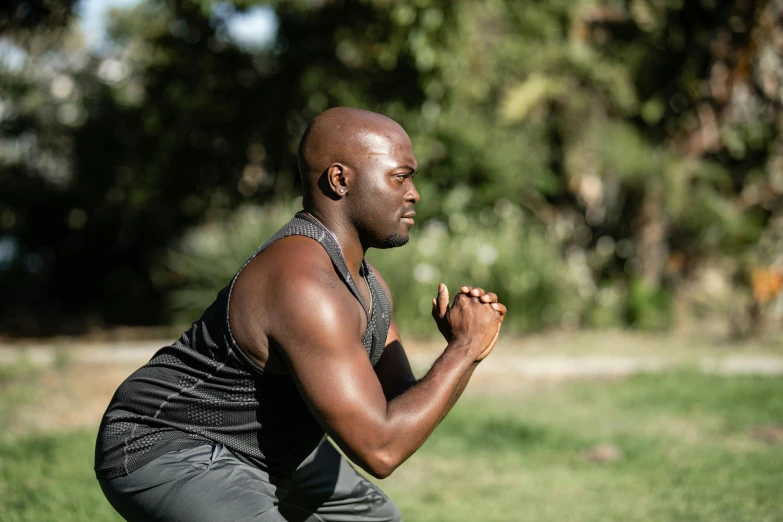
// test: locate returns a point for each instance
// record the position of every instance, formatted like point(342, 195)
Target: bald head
point(343, 135)
point(357, 171)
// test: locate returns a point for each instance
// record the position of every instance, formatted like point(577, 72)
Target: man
point(228, 423)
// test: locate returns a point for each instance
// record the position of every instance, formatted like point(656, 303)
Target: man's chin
point(394, 240)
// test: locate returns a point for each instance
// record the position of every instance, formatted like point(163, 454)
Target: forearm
point(380, 432)
point(405, 382)
point(461, 387)
point(412, 416)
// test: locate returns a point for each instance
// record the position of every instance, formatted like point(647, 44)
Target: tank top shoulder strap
point(335, 253)
point(302, 225)
point(381, 316)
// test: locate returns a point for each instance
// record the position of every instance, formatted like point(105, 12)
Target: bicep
point(320, 345)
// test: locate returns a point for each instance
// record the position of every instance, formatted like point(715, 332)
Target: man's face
point(385, 194)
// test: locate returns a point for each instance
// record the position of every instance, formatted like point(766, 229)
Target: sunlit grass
point(687, 454)
point(50, 477)
point(687, 442)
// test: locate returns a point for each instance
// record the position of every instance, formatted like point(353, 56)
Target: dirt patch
point(603, 453)
point(768, 434)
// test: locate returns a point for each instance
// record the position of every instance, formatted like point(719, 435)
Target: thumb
point(442, 304)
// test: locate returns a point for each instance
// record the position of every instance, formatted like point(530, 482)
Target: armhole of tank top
point(373, 299)
point(234, 346)
point(375, 288)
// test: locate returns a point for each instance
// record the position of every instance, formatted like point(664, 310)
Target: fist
point(475, 317)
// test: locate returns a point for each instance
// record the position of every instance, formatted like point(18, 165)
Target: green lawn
point(689, 453)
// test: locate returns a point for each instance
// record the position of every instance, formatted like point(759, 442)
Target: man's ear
point(339, 177)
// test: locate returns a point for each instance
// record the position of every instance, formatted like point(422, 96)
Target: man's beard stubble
point(394, 240)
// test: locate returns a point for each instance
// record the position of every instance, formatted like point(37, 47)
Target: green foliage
point(654, 125)
point(207, 258)
point(648, 308)
point(497, 252)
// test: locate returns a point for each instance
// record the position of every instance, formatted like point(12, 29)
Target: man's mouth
point(408, 217)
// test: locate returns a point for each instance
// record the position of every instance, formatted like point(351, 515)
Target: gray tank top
point(203, 388)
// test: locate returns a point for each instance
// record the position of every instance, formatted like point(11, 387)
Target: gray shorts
point(208, 483)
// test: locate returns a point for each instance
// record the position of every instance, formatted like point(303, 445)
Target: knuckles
point(471, 307)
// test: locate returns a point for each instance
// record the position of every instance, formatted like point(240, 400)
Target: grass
point(17, 387)
point(687, 440)
point(50, 477)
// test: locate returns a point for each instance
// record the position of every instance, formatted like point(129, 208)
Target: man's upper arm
point(319, 338)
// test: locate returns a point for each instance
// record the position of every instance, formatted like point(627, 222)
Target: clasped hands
point(474, 317)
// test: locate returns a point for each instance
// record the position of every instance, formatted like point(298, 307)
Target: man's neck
point(346, 237)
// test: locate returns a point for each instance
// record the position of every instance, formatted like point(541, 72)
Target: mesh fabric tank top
point(203, 388)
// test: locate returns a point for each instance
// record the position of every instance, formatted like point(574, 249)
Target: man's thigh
point(202, 484)
point(327, 488)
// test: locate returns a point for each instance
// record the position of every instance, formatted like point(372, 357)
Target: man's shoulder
point(292, 282)
point(291, 267)
point(305, 287)
point(300, 260)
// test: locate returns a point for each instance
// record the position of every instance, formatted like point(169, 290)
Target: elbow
point(380, 472)
point(381, 465)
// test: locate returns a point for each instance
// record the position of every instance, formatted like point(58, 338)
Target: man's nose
point(412, 195)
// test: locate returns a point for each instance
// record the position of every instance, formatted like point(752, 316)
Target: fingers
point(440, 305)
point(489, 297)
point(472, 292)
point(500, 308)
point(484, 297)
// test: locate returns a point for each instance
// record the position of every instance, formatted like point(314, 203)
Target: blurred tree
point(172, 123)
point(663, 119)
point(643, 135)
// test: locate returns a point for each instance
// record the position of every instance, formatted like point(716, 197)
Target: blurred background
point(612, 169)
point(614, 163)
